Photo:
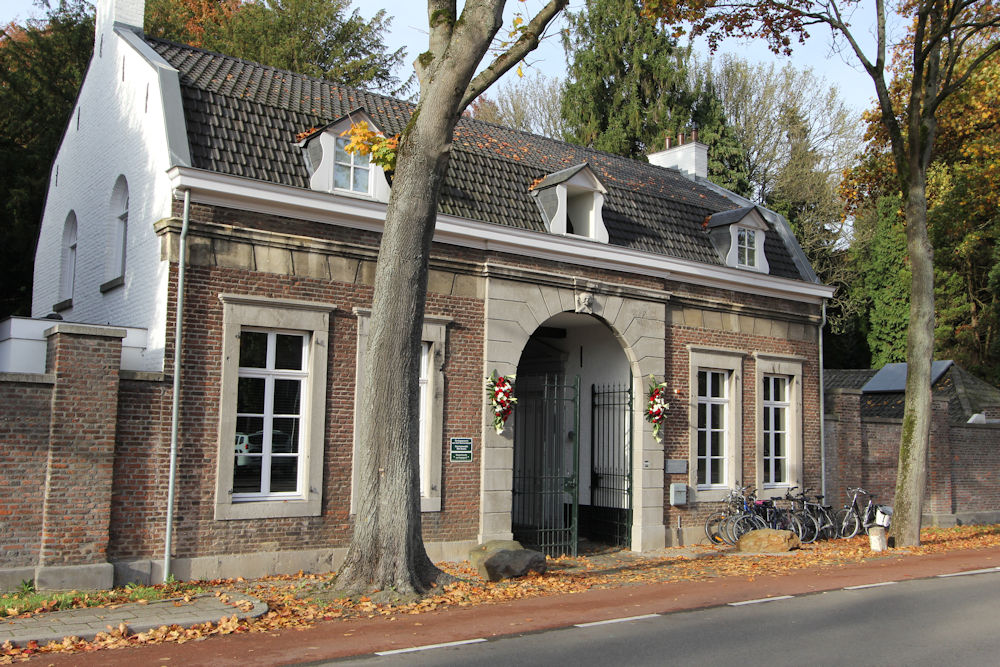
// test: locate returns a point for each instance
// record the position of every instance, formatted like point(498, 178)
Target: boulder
point(768, 540)
point(510, 563)
point(479, 554)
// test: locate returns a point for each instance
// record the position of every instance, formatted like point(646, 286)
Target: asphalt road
point(939, 621)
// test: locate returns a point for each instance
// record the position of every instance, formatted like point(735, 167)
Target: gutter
point(175, 409)
point(822, 410)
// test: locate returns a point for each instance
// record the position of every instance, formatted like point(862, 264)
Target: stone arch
point(517, 303)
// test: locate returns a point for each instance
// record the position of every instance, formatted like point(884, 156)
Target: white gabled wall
point(118, 127)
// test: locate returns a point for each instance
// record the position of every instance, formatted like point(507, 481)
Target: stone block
point(713, 320)
point(768, 540)
point(200, 251)
point(511, 563)
point(479, 553)
point(366, 273)
point(97, 576)
point(343, 269)
point(233, 254)
point(310, 265)
point(440, 282)
point(693, 318)
point(469, 286)
point(273, 260)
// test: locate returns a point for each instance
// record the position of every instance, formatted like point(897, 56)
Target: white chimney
point(127, 13)
point(690, 158)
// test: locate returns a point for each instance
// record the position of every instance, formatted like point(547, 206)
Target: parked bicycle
point(852, 517)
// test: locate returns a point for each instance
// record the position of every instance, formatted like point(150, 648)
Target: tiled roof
point(242, 120)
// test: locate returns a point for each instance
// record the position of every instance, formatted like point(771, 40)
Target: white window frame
point(789, 367)
point(431, 453)
point(713, 404)
point(322, 171)
point(774, 422)
point(355, 163)
point(270, 374)
point(242, 312)
point(119, 233)
point(751, 223)
point(67, 267)
point(729, 362)
point(746, 247)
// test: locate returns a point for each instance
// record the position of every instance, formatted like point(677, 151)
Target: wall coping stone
point(75, 329)
point(29, 378)
point(144, 376)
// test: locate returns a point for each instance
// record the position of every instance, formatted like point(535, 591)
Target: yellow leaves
point(366, 141)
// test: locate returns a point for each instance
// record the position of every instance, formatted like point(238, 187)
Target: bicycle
point(851, 518)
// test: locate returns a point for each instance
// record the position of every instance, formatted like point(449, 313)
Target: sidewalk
point(86, 622)
point(337, 639)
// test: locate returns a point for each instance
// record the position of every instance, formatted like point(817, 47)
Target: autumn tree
point(41, 66)
point(937, 62)
point(314, 37)
point(386, 552)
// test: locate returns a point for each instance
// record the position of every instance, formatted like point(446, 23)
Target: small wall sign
point(461, 450)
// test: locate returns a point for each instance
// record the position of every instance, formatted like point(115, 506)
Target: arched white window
point(118, 236)
point(67, 267)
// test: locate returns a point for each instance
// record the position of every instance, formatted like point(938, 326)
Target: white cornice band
point(357, 212)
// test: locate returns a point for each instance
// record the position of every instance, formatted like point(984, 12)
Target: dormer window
point(350, 171)
point(572, 203)
point(333, 169)
point(746, 247)
point(738, 236)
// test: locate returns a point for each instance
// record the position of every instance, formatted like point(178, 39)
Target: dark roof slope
point(242, 120)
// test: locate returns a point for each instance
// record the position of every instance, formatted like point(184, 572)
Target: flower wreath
point(657, 406)
point(501, 391)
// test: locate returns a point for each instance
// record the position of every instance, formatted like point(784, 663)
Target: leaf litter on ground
point(295, 601)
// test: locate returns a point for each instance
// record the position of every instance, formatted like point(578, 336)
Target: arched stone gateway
point(566, 327)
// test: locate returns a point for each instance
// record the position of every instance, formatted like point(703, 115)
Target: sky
point(409, 30)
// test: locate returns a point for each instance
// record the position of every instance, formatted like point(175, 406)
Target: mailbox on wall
point(678, 493)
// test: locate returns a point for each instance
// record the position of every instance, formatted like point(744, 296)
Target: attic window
point(746, 247)
point(572, 202)
point(332, 169)
point(738, 236)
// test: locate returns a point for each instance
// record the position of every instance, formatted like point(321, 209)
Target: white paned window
point(713, 431)
point(425, 418)
point(746, 242)
point(272, 407)
point(67, 268)
point(776, 407)
point(269, 415)
point(350, 171)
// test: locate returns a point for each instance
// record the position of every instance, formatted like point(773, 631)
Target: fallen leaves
point(290, 605)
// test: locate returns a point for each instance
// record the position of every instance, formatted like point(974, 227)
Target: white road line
point(615, 620)
point(881, 583)
point(428, 647)
point(759, 600)
point(962, 574)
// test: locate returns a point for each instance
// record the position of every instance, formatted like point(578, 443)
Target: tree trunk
point(911, 476)
point(387, 550)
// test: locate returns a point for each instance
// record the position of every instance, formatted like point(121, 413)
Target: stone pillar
point(85, 361)
point(940, 499)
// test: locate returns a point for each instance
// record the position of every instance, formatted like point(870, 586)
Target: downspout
point(175, 409)
point(822, 410)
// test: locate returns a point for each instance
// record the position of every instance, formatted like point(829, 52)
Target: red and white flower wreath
point(501, 392)
point(657, 406)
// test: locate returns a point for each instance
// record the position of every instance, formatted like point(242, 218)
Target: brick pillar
point(991, 411)
point(939, 484)
point(76, 510)
point(847, 456)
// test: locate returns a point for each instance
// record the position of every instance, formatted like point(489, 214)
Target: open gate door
point(545, 502)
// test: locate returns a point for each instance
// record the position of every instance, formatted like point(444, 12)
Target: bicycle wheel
point(810, 529)
point(726, 529)
point(827, 524)
point(745, 524)
point(847, 523)
point(712, 526)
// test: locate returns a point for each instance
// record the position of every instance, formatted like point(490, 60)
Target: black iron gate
point(609, 517)
point(546, 460)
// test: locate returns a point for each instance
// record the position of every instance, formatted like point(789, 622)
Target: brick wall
point(24, 430)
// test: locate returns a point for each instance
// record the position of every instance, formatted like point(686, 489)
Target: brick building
point(584, 272)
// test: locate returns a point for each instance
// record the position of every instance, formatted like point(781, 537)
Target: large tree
point(629, 87)
point(314, 37)
point(938, 64)
point(41, 66)
point(386, 552)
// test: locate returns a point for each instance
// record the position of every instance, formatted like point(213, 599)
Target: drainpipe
point(822, 410)
point(175, 409)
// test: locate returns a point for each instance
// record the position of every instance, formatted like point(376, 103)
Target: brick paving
point(86, 622)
